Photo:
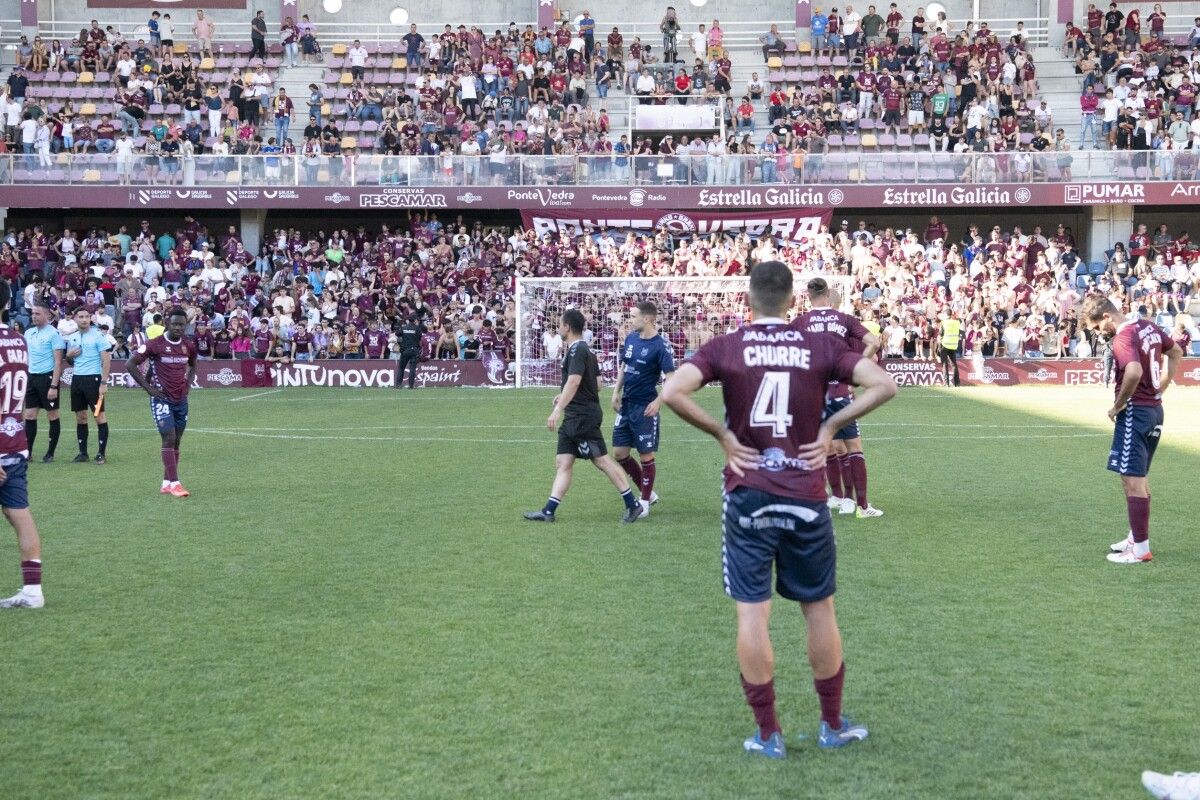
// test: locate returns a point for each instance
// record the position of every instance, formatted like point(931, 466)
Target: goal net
point(690, 312)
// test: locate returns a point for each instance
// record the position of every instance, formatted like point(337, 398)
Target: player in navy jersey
point(172, 359)
point(773, 378)
point(846, 468)
point(578, 407)
point(646, 357)
point(14, 459)
point(1138, 348)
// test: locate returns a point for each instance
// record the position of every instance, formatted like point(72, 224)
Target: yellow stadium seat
point(326, 109)
point(322, 176)
point(400, 63)
point(346, 79)
point(91, 176)
point(87, 77)
point(233, 176)
point(338, 50)
point(804, 47)
point(179, 49)
point(869, 140)
point(63, 158)
point(774, 62)
point(87, 110)
point(855, 176)
point(207, 63)
point(349, 143)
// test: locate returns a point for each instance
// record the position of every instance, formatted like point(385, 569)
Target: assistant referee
point(46, 346)
point(91, 354)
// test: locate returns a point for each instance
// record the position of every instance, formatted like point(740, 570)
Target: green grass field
point(349, 606)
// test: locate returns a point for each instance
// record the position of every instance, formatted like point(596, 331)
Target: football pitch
point(350, 606)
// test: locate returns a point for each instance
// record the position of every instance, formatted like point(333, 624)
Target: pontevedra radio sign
point(788, 224)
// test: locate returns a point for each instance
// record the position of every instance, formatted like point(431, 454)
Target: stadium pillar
point(29, 18)
point(254, 225)
point(1108, 224)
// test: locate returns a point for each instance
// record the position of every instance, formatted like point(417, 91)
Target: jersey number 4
point(770, 408)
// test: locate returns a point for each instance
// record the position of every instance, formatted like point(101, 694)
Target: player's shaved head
point(770, 288)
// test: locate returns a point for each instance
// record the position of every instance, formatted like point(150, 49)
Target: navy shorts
point(1135, 439)
point(14, 492)
point(761, 530)
point(834, 405)
point(632, 428)
point(169, 416)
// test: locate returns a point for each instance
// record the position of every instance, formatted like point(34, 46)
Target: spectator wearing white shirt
point(852, 24)
point(356, 56)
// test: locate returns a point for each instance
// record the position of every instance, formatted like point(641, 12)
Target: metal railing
point(908, 168)
point(738, 35)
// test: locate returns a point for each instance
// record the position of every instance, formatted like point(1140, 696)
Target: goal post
point(691, 310)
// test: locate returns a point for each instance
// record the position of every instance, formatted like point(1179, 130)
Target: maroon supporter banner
point(609, 202)
point(491, 371)
point(1019, 372)
point(167, 5)
point(788, 224)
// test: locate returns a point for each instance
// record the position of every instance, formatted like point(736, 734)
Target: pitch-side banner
point(1019, 371)
point(491, 371)
point(789, 224)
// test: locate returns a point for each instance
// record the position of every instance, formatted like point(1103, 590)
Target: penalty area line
point(256, 394)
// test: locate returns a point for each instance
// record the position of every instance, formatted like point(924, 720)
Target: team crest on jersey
point(645, 350)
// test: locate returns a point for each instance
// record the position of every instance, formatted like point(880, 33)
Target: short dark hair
point(158, 318)
point(647, 308)
point(38, 303)
point(818, 287)
point(770, 288)
point(573, 319)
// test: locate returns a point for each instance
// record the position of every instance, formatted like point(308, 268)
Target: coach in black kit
point(409, 331)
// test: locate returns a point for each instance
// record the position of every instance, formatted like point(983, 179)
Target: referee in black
point(46, 347)
point(409, 331)
point(577, 407)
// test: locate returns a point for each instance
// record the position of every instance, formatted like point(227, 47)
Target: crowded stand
point(1139, 85)
point(339, 293)
point(860, 83)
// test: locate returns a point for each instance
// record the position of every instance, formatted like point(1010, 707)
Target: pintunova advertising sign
point(492, 370)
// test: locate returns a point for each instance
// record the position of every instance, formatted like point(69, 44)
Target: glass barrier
point(884, 167)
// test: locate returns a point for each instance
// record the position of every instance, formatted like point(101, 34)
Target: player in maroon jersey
point(847, 466)
point(1138, 348)
point(773, 379)
point(14, 460)
point(172, 359)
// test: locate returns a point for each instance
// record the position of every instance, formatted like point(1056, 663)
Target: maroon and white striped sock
point(31, 572)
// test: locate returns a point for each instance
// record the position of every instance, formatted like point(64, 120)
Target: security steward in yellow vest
point(948, 340)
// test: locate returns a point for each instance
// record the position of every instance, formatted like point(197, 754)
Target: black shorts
point(37, 395)
point(580, 436)
point(85, 392)
point(760, 530)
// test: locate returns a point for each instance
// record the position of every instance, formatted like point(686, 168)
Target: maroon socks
point(833, 471)
point(31, 573)
point(847, 475)
point(829, 690)
point(648, 471)
point(858, 474)
point(630, 465)
point(1139, 517)
point(761, 698)
point(170, 461)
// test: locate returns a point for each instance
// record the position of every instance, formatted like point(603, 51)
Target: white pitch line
point(256, 394)
point(543, 440)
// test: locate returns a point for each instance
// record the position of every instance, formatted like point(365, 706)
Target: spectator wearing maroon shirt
point(302, 343)
point(936, 229)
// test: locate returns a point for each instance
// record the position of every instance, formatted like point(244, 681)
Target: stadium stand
point(1016, 291)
